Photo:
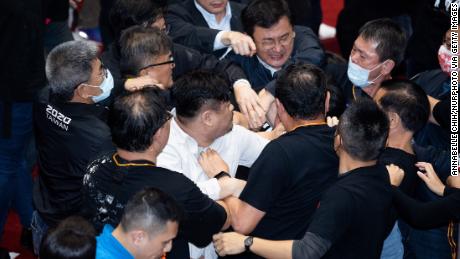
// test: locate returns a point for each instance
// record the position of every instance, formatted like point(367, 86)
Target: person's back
point(367, 195)
point(70, 130)
point(309, 165)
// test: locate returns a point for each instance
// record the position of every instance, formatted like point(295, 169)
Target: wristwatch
point(221, 174)
point(248, 243)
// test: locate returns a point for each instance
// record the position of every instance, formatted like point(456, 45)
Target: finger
point(422, 176)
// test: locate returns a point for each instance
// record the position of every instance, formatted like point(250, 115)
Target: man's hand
point(241, 43)
point(138, 83)
point(212, 163)
point(430, 178)
point(332, 121)
point(229, 243)
point(396, 174)
point(248, 101)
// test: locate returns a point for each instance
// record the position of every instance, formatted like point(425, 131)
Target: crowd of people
point(216, 128)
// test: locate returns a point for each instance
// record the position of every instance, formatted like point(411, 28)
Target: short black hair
point(139, 45)
point(408, 100)
point(150, 209)
point(301, 88)
point(135, 117)
point(264, 13)
point(198, 88)
point(390, 38)
point(363, 128)
point(73, 238)
point(126, 13)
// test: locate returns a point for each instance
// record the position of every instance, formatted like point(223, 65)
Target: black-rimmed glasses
point(170, 61)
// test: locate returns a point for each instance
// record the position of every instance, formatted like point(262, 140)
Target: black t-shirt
point(288, 178)
point(109, 184)
point(68, 136)
point(353, 213)
point(406, 162)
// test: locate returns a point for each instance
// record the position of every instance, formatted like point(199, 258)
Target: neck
point(401, 140)
point(121, 237)
point(193, 129)
point(347, 163)
point(220, 16)
point(148, 155)
point(371, 89)
point(292, 124)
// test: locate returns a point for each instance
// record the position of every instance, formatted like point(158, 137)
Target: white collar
point(267, 66)
point(211, 18)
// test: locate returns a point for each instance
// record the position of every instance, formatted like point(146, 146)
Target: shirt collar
point(211, 18)
point(267, 66)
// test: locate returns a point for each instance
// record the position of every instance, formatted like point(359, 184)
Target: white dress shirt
point(238, 147)
point(223, 25)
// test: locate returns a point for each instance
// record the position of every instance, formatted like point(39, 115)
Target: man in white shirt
point(203, 126)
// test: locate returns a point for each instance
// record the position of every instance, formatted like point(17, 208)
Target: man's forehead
point(282, 27)
point(366, 46)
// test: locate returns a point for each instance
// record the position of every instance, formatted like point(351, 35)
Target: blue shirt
point(108, 246)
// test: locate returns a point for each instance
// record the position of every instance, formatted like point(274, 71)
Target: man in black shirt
point(351, 218)
point(140, 128)
point(407, 107)
point(70, 130)
point(286, 181)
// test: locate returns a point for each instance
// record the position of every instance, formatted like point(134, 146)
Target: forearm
point(230, 186)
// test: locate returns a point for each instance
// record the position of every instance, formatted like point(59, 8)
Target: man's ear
point(137, 237)
point(326, 104)
point(207, 117)
point(394, 119)
point(86, 91)
point(388, 66)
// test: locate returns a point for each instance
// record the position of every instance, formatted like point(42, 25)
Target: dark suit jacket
point(189, 28)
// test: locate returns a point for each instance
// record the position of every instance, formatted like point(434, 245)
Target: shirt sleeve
point(429, 214)
point(267, 173)
point(251, 145)
point(311, 246)
point(218, 41)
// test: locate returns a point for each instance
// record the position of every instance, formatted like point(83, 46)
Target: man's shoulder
point(184, 7)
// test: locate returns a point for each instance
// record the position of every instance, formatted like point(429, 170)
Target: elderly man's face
point(364, 54)
point(213, 6)
point(274, 45)
point(98, 73)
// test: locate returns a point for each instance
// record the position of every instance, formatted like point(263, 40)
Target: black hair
point(139, 46)
point(363, 128)
point(150, 209)
point(408, 100)
point(301, 88)
point(263, 13)
point(390, 39)
point(73, 238)
point(126, 13)
point(135, 118)
point(198, 88)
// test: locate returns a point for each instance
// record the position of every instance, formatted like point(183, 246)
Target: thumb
point(422, 176)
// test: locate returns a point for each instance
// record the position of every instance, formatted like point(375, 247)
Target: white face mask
point(106, 87)
point(360, 76)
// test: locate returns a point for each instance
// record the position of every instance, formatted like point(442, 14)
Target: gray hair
point(67, 66)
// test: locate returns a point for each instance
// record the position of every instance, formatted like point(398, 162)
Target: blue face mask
point(106, 88)
point(359, 76)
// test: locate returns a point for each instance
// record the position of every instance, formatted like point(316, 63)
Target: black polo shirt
point(353, 213)
point(288, 178)
point(68, 137)
point(111, 181)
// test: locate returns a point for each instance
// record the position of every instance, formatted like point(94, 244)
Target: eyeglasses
point(284, 40)
point(170, 61)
